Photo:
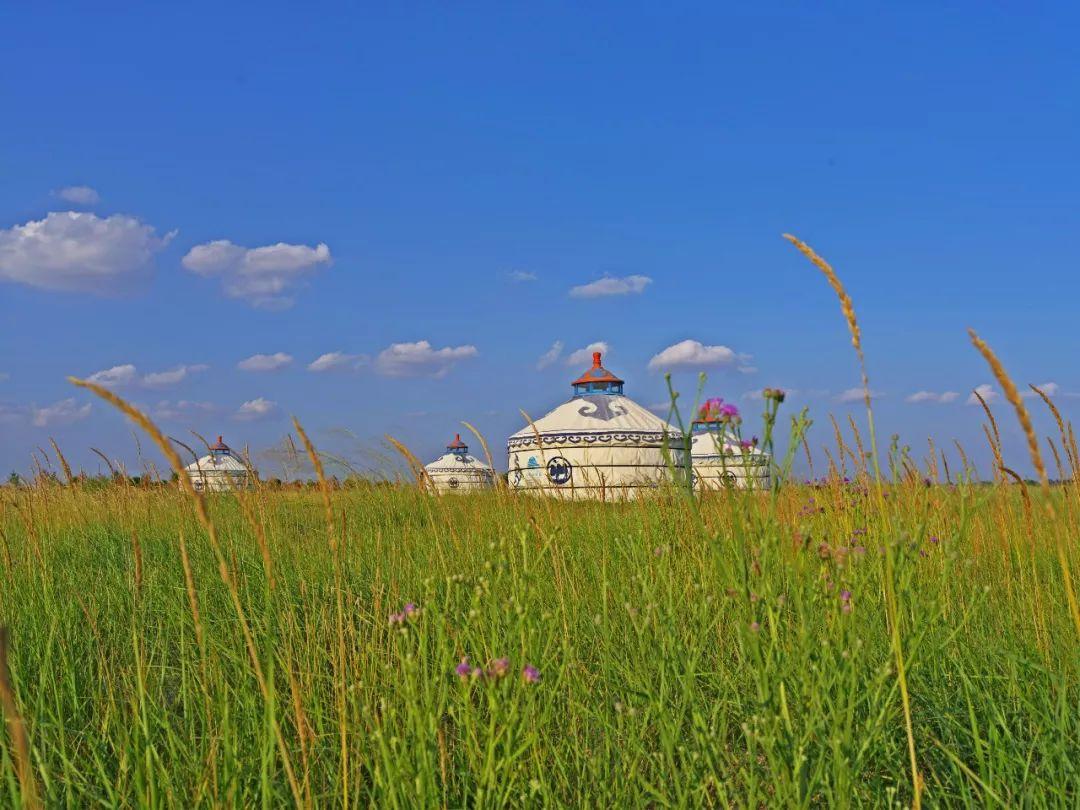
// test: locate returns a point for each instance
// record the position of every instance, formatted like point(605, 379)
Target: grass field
point(737, 650)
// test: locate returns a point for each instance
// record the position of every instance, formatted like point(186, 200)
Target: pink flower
point(498, 668)
point(530, 674)
point(463, 669)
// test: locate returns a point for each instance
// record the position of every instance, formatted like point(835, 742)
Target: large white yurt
point(457, 471)
point(720, 459)
point(599, 445)
point(220, 470)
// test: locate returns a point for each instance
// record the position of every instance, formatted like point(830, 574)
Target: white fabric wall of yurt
point(720, 459)
point(219, 471)
point(457, 471)
point(599, 445)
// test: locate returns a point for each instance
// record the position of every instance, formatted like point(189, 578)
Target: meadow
point(882, 637)
point(738, 649)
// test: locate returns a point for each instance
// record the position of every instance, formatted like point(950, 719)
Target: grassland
point(734, 650)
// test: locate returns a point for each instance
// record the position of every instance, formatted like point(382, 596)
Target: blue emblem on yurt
point(559, 470)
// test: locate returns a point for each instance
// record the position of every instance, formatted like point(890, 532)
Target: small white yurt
point(457, 471)
point(721, 460)
point(219, 471)
point(599, 445)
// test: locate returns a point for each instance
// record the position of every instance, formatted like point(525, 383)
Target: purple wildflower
point(498, 667)
point(845, 595)
point(463, 669)
point(935, 540)
point(406, 612)
point(530, 674)
point(754, 626)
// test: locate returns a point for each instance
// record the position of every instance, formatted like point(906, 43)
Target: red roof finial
point(457, 443)
point(596, 374)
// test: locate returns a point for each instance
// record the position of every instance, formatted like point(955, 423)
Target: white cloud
point(78, 252)
point(584, 356)
point(337, 361)
point(694, 354)
point(986, 391)
point(550, 356)
point(854, 395)
point(942, 398)
point(611, 285)
point(64, 412)
point(263, 277)
point(522, 275)
point(117, 375)
point(420, 359)
point(255, 409)
point(78, 195)
point(182, 410)
point(1049, 388)
point(265, 362)
point(161, 379)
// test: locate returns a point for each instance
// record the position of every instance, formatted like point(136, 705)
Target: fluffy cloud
point(127, 374)
point(551, 356)
point(64, 412)
point(78, 195)
point(265, 362)
point(78, 252)
point(255, 409)
point(1049, 388)
point(696, 355)
point(337, 361)
point(611, 285)
point(182, 410)
point(583, 357)
point(117, 375)
point(943, 398)
point(263, 277)
point(986, 391)
point(521, 275)
point(854, 395)
point(420, 359)
point(161, 379)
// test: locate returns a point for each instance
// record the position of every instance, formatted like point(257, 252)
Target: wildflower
point(498, 668)
point(729, 411)
point(754, 627)
point(935, 540)
point(845, 599)
point(463, 669)
point(530, 674)
point(406, 612)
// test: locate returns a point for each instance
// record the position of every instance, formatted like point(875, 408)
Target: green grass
point(688, 655)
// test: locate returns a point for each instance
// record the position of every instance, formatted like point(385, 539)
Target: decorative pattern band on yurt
point(599, 445)
point(720, 458)
point(219, 471)
point(457, 471)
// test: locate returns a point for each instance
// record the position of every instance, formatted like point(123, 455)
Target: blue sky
point(449, 175)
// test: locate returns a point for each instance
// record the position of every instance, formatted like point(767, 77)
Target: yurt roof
point(598, 412)
point(220, 459)
point(456, 459)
